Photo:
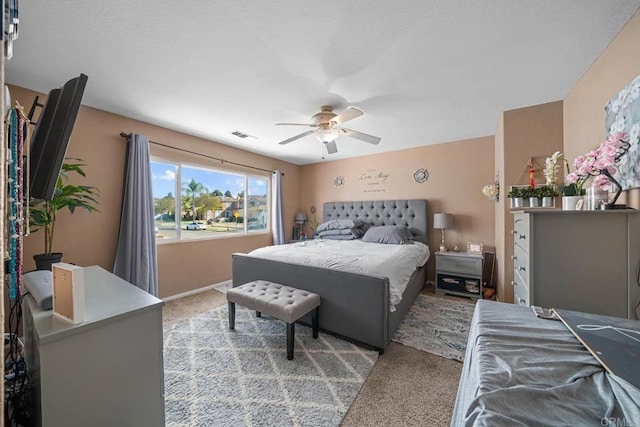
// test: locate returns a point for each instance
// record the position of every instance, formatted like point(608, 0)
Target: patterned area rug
point(437, 325)
point(218, 377)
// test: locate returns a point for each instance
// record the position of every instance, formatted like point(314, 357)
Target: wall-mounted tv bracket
point(33, 110)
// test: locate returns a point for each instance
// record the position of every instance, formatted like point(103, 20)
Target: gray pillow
point(339, 224)
point(355, 232)
point(388, 234)
point(339, 237)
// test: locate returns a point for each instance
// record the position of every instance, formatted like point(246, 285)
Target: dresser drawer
point(459, 265)
point(521, 263)
point(521, 293)
point(521, 231)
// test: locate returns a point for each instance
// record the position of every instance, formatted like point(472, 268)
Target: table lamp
point(300, 219)
point(442, 221)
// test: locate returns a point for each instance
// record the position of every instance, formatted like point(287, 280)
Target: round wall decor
point(338, 181)
point(421, 175)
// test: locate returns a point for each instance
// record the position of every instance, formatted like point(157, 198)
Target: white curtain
point(136, 260)
point(277, 221)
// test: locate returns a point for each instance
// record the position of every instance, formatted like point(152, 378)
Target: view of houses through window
point(196, 202)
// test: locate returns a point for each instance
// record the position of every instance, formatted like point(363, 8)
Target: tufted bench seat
point(276, 300)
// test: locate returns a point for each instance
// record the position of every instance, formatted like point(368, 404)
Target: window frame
point(245, 232)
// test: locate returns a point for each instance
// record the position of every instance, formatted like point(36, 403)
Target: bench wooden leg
point(314, 321)
point(232, 315)
point(290, 338)
point(258, 314)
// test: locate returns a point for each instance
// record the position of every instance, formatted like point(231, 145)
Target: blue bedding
point(521, 370)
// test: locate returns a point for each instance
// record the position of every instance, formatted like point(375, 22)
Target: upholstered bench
point(276, 300)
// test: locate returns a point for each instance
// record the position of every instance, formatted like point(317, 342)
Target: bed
point(355, 306)
point(523, 370)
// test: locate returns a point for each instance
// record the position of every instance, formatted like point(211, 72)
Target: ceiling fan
point(327, 127)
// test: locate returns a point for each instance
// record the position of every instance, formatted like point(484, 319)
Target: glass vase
point(595, 198)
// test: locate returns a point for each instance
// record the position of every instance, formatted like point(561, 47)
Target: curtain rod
point(127, 135)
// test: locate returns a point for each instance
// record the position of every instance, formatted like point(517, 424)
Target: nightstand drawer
point(459, 265)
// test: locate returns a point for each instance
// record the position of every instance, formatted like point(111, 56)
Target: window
point(194, 202)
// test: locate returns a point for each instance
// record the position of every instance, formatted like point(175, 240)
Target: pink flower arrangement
point(600, 163)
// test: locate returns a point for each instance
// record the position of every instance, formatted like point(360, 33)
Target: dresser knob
point(522, 268)
point(522, 302)
point(514, 232)
point(513, 283)
point(514, 257)
point(522, 236)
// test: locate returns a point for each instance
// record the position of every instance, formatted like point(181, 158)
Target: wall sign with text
point(373, 181)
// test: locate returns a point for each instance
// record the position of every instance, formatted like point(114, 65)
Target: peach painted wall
point(90, 239)
point(532, 132)
point(584, 106)
point(457, 172)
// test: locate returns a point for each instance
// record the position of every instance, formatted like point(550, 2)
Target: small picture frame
point(68, 292)
point(474, 248)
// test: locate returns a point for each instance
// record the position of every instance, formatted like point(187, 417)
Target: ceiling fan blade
point(332, 148)
point(360, 135)
point(296, 124)
point(347, 115)
point(302, 135)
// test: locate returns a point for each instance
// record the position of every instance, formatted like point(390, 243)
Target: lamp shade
point(442, 220)
point(300, 218)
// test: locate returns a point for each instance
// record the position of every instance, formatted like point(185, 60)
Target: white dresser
point(577, 260)
point(105, 371)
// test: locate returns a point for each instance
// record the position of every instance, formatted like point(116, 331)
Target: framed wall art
point(622, 114)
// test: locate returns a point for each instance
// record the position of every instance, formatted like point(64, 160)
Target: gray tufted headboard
point(412, 213)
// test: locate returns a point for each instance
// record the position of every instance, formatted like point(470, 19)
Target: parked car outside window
point(196, 226)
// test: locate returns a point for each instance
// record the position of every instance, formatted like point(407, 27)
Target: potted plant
point(547, 192)
point(313, 225)
point(532, 195)
point(516, 196)
point(65, 196)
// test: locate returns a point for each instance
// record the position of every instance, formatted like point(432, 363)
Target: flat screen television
point(51, 137)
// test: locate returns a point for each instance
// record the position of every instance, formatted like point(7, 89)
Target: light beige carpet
point(407, 387)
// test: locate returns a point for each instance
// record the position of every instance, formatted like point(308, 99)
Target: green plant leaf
point(64, 196)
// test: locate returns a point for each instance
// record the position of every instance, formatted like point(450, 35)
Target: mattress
point(397, 262)
point(523, 370)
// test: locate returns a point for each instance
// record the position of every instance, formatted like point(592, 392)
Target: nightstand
point(459, 273)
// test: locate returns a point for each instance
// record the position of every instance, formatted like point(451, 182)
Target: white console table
point(105, 371)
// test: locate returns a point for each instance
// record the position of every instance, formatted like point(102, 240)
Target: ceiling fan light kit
point(328, 129)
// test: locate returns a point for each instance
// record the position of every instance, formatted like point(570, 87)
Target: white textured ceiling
point(423, 72)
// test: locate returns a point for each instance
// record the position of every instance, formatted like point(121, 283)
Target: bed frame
point(355, 306)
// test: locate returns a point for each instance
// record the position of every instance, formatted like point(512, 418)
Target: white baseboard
point(196, 291)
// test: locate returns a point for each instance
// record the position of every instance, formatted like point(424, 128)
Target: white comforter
point(397, 262)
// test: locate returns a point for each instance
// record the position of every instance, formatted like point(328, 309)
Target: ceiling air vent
point(241, 134)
